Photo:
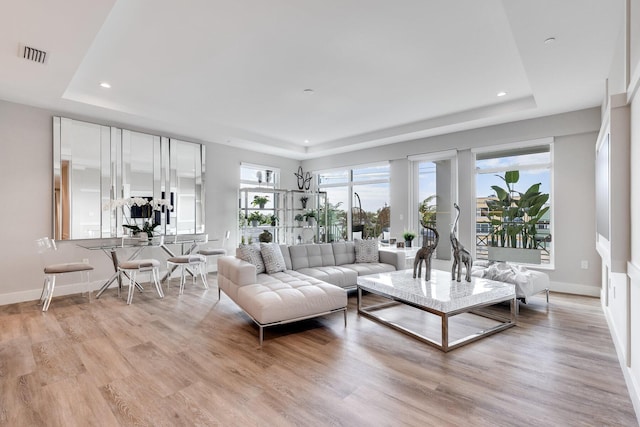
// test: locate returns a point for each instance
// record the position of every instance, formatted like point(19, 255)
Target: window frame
point(512, 149)
point(350, 183)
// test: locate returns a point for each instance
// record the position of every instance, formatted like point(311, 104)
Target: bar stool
point(46, 247)
point(195, 261)
point(207, 252)
point(134, 266)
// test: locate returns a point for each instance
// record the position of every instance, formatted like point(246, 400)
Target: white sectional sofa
point(312, 280)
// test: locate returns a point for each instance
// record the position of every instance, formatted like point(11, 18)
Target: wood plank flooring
point(193, 360)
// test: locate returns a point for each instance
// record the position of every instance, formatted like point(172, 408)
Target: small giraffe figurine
point(424, 254)
point(460, 254)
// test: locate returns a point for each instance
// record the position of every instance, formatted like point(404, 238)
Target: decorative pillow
point(272, 256)
point(251, 253)
point(367, 250)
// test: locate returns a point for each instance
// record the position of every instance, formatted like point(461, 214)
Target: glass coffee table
point(440, 296)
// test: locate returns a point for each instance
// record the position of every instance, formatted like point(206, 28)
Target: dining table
point(111, 246)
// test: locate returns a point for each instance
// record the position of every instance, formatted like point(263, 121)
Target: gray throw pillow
point(251, 253)
point(272, 257)
point(367, 250)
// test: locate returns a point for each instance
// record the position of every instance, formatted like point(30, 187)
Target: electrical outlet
point(584, 264)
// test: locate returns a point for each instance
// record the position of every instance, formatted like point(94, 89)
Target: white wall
point(574, 185)
point(26, 174)
point(622, 291)
point(631, 333)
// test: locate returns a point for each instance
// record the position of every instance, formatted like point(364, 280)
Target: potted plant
point(299, 218)
point(255, 218)
point(260, 201)
point(514, 219)
point(408, 236)
point(310, 217)
point(272, 219)
point(303, 201)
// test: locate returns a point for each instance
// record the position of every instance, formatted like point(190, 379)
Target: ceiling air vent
point(33, 54)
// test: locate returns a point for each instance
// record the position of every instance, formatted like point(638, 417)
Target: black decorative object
point(307, 181)
point(265, 237)
point(304, 181)
point(461, 256)
point(300, 176)
point(425, 253)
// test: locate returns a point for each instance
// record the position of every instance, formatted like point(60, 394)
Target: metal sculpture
point(425, 253)
point(461, 256)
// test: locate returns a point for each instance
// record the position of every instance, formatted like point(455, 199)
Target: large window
point(436, 192)
point(358, 202)
point(511, 177)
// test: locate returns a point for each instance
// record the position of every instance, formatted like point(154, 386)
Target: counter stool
point(47, 246)
point(195, 261)
point(134, 266)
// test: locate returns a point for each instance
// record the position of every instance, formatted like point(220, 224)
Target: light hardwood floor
point(191, 360)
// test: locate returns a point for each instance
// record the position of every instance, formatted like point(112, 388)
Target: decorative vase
point(265, 237)
point(304, 204)
point(407, 243)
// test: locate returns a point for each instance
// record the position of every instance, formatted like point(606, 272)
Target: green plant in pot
point(272, 219)
point(299, 218)
point(255, 218)
point(260, 201)
point(408, 237)
point(310, 217)
point(514, 216)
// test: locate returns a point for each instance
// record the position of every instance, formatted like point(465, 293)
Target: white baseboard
point(34, 294)
point(574, 288)
point(632, 385)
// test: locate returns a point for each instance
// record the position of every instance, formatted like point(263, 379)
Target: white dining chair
point(209, 252)
point(133, 266)
point(47, 249)
point(195, 261)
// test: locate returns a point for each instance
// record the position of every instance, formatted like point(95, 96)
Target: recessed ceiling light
point(501, 93)
point(550, 40)
point(105, 85)
point(308, 91)
point(306, 141)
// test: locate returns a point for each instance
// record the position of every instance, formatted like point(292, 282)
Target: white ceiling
point(234, 72)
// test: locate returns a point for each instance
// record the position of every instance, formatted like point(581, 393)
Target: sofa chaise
point(278, 284)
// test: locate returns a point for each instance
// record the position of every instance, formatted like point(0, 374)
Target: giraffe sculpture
point(425, 253)
point(461, 256)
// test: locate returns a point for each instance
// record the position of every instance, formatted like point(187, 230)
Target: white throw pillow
point(367, 250)
point(251, 253)
point(272, 257)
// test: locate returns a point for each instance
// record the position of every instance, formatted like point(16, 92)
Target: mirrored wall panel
point(109, 181)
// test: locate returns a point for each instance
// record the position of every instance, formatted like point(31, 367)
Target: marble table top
point(440, 293)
